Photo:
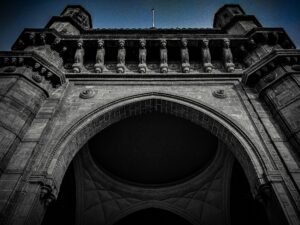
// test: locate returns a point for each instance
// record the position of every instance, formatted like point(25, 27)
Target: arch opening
point(153, 149)
point(144, 106)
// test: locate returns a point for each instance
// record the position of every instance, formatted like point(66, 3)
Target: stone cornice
point(254, 73)
point(34, 60)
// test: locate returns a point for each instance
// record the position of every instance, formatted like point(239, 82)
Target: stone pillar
point(142, 56)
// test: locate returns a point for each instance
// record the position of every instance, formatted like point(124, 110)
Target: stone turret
point(233, 19)
point(72, 20)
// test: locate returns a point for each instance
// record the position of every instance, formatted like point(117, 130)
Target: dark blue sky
point(15, 15)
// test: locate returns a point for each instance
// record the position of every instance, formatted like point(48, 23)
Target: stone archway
point(238, 141)
point(247, 152)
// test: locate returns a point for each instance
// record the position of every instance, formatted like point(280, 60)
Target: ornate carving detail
point(43, 38)
point(227, 56)
point(121, 56)
point(220, 93)
point(269, 78)
point(142, 56)
point(32, 38)
point(10, 69)
point(47, 195)
point(163, 56)
point(185, 61)
point(99, 66)
point(206, 58)
point(37, 78)
point(87, 93)
point(78, 58)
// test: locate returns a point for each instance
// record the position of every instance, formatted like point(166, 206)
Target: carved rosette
point(78, 58)
point(185, 62)
point(121, 56)
point(206, 58)
point(220, 93)
point(37, 78)
point(163, 56)
point(87, 93)
point(99, 66)
point(142, 57)
point(227, 56)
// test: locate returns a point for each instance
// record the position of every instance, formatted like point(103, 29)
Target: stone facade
point(63, 84)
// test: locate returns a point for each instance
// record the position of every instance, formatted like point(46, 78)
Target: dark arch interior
point(174, 148)
point(153, 216)
point(153, 149)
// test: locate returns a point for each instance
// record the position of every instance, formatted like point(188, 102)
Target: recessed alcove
point(153, 149)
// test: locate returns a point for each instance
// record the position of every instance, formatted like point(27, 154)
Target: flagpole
point(153, 18)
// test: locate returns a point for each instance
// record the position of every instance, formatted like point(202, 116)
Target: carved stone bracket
point(227, 56)
point(48, 191)
point(99, 66)
point(78, 58)
point(206, 58)
point(185, 62)
point(163, 56)
point(142, 57)
point(47, 195)
point(121, 56)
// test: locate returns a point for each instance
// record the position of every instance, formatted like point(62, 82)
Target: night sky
point(15, 15)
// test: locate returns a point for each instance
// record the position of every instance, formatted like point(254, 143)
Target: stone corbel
point(142, 56)
point(163, 56)
point(227, 56)
point(206, 58)
point(48, 192)
point(99, 66)
point(78, 58)
point(185, 64)
point(121, 56)
point(47, 195)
